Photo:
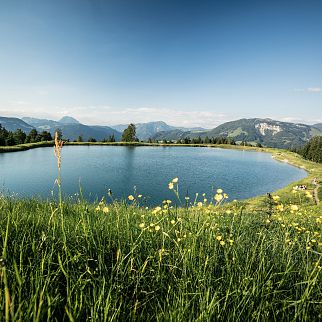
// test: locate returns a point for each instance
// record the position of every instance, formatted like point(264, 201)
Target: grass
point(26, 146)
point(256, 260)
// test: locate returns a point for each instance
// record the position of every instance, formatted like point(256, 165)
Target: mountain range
point(264, 131)
point(267, 132)
point(144, 131)
point(72, 129)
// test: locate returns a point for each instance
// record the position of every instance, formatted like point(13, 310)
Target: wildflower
point(173, 222)
point(199, 204)
point(280, 207)
point(130, 197)
point(225, 196)
point(276, 198)
point(142, 225)
point(106, 210)
point(222, 243)
point(309, 195)
point(219, 191)
point(218, 197)
point(175, 180)
point(97, 208)
point(294, 208)
point(187, 198)
point(231, 241)
point(139, 196)
point(170, 185)
point(219, 238)
point(205, 200)
point(156, 210)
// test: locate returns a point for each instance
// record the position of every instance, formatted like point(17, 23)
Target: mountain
point(40, 124)
point(72, 128)
point(68, 120)
point(265, 131)
point(144, 131)
point(318, 126)
point(13, 123)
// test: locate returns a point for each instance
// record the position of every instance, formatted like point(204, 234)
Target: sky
point(188, 62)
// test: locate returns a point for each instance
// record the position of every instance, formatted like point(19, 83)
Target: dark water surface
point(240, 174)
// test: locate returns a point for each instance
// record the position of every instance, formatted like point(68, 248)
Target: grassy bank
point(24, 147)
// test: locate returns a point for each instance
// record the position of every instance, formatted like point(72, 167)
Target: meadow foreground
point(121, 262)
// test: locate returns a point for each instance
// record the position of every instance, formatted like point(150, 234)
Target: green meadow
point(212, 259)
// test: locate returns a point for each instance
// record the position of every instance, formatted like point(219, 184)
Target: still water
point(146, 170)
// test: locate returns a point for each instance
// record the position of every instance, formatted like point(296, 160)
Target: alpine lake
point(91, 171)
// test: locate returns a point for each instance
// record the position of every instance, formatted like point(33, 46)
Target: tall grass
point(123, 263)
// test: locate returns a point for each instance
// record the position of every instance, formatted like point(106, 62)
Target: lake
point(146, 170)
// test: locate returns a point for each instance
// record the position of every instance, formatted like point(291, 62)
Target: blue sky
point(193, 63)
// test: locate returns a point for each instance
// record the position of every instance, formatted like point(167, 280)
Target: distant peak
point(68, 120)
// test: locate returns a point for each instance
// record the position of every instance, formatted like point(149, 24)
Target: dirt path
point(316, 192)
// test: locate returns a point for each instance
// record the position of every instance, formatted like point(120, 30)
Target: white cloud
point(108, 116)
point(308, 90)
point(314, 89)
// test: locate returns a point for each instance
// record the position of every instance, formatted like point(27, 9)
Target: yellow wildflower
point(173, 222)
point(294, 208)
point(219, 191)
point(222, 243)
point(280, 207)
point(106, 210)
point(175, 180)
point(142, 225)
point(199, 204)
point(157, 227)
point(130, 197)
point(219, 238)
point(276, 198)
point(218, 197)
point(139, 196)
point(170, 185)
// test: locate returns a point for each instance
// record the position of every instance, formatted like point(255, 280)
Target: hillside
point(265, 131)
point(144, 131)
point(318, 126)
point(72, 129)
point(13, 123)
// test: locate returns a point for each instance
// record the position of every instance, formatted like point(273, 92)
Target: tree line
point(312, 150)
point(199, 140)
point(10, 138)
